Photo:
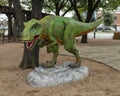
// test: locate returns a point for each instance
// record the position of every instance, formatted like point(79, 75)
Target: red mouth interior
point(30, 44)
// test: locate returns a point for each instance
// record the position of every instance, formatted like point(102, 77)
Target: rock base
point(42, 77)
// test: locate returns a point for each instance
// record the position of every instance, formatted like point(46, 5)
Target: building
point(116, 14)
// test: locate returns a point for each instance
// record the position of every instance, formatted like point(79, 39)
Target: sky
point(3, 16)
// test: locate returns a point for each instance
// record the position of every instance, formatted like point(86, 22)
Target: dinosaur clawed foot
point(74, 65)
point(49, 64)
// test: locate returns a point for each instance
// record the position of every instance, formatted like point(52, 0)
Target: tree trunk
point(37, 9)
point(92, 5)
point(10, 32)
point(19, 15)
point(89, 15)
point(31, 57)
point(15, 31)
point(84, 39)
point(74, 5)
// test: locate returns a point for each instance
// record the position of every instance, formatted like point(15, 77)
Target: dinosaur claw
point(45, 66)
point(74, 65)
point(48, 64)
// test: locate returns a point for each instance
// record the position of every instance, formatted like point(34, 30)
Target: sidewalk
point(109, 55)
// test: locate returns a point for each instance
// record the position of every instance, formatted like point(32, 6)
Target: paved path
point(109, 55)
point(101, 35)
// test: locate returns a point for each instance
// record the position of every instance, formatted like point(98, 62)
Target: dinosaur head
point(31, 33)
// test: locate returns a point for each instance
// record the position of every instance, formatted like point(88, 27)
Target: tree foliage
point(4, 2)
point(26, 4)
point(108, 18)
point(57, 6)
point(109, 4)
point(89, 6)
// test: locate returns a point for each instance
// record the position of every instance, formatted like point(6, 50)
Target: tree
point(31, 57)
point(5, 3)
point(57, 6)
point(37, 8)
point(108, 18)
point(109, 4)
point(19, 15)
point(75, 5)
point(91, 5)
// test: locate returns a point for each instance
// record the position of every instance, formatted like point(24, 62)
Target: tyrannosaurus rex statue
point(54, 30)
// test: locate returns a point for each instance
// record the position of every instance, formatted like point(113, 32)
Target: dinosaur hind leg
point(54, 50)
point(69, 40)
point(75, 52)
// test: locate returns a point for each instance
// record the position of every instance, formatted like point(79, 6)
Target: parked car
point(100, 27)
point(107, 28)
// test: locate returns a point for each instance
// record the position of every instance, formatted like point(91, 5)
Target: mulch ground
point(102, 81)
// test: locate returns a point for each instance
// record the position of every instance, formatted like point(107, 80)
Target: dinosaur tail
point(88, 27)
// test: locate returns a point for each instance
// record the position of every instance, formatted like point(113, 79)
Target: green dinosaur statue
point(55, 30)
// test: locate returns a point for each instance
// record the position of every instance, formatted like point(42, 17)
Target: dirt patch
point(103, 80)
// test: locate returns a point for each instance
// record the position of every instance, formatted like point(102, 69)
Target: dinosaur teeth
point(29, 44)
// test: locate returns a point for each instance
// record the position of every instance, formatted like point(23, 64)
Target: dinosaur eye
point(35, 28)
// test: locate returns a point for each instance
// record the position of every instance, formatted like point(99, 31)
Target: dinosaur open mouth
point(30, 44)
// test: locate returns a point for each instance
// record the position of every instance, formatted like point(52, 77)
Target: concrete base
point(42, 77)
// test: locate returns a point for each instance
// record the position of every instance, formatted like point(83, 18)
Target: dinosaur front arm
point(42, 43)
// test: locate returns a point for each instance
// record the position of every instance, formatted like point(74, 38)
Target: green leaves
point(109, 4)
point(108, 18)
point(3, 2)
